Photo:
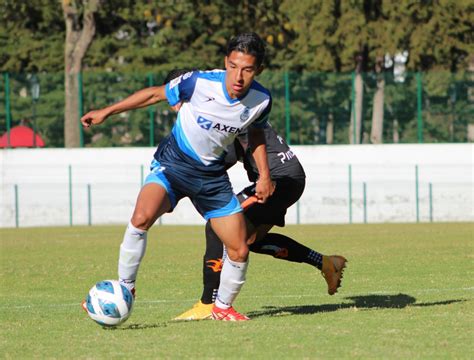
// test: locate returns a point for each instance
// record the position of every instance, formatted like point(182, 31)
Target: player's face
point(241, 69)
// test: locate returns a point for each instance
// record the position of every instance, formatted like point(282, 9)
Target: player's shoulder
point(184, 80)
point(211, 75)
point(193, 76)
point(261, 97)
point(260, 88)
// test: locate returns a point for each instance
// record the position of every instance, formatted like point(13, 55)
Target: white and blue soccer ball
point(109, 303)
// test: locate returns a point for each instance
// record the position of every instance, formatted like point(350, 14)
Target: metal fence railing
point(308, 108)
point(36, 194)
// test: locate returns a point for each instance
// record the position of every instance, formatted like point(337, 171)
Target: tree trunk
point(80, 31)
point(330, 129)
point(396, 133)
point(357, 109)
point(376, 134)
point(470, 132)
point(71, 111)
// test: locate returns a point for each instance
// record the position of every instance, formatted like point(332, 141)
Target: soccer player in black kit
point(289, 177)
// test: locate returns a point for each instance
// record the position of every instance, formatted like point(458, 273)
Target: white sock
point(232, 280)
point(132, 251)
point(224, 253)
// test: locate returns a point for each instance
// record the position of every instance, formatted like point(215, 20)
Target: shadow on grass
point(128, 326)
point(136, 327)
point(399, 301)
point(366, 302)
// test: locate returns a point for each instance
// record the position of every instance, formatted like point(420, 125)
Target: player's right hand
point(264, 189)
point(94, 117)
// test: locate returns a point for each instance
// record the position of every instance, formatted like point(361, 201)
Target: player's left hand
point(264, 189)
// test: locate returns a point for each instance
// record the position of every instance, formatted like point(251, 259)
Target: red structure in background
point(21, 136)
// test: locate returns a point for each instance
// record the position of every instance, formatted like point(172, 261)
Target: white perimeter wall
point(115, 176)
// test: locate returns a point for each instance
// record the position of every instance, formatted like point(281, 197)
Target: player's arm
point(265, 186)
point(141, 98)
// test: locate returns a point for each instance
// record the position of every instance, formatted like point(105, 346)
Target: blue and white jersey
point(209, 119)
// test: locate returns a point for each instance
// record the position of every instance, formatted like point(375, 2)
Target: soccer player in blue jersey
point(288, 174)
point(216, 106)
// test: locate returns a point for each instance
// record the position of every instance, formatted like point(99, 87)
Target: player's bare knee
point(141, 220)
point(239, 254)
point(244, 253)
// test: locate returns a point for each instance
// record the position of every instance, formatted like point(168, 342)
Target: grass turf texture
point(407, 293)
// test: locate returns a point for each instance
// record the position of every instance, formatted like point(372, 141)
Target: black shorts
point(287, 192)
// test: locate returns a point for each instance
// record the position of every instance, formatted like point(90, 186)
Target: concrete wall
point(45, 196)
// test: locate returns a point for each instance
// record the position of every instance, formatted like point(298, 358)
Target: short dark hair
point(248, 43)
point(173, 74)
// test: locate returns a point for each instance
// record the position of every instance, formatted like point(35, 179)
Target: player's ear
point(259, 70)
point(225, 62)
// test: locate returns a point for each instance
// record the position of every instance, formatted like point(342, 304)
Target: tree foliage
point(318, 42)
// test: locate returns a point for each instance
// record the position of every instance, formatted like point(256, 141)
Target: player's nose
point(239, 76)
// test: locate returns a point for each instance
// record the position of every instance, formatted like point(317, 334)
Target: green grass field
point(407, 293)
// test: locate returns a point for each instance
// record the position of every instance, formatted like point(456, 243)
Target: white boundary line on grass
point(169, 301)
point(380, 292)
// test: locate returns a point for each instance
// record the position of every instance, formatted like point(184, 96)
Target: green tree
point(31, 36)
point(136, 39)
